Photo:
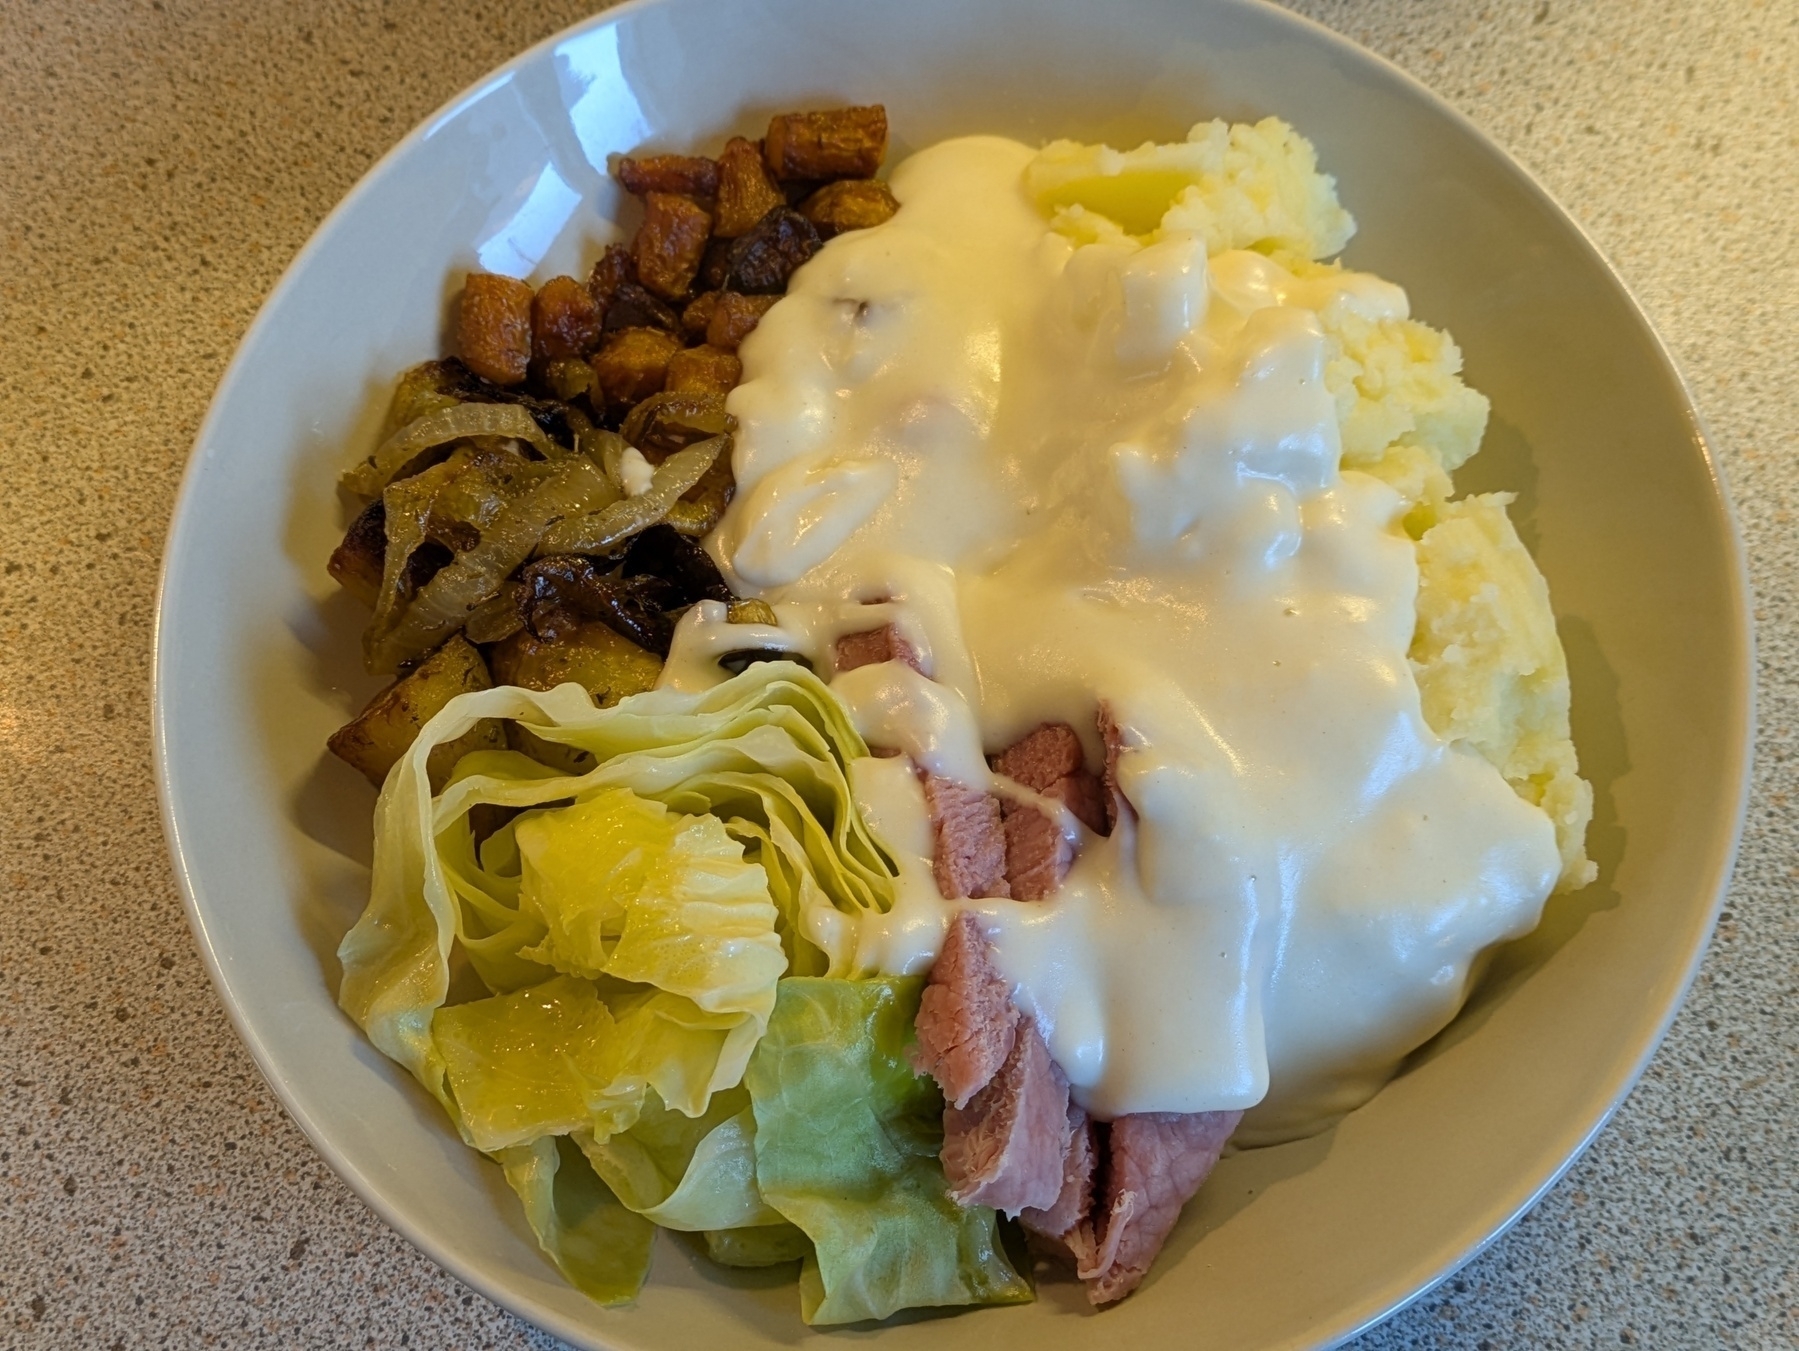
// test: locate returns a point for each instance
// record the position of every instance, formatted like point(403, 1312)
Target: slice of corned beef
point(1049, 761)
point(1111, 735)
point(1038, 854)
point(1155, 1162)
point(1058, 1228)
point(966, 1022)
point(875, 645)
point(1005, 1149)
point(971, 840)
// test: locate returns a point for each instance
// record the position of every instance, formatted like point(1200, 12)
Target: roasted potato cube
point(735, 318)
point(849, 204)
point(840, 143)
point(703, 370)
point(565, 320)
point(633, 364)
point(670, 243)
point(376, 739)
point(614, 268)
point(356, 564)
point(493, 327)
point(685, 175)
point(745, 192)
point(699, 313)
point(605, 663)
point(763, 260)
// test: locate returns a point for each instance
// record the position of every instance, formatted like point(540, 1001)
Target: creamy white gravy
point(1111, 473)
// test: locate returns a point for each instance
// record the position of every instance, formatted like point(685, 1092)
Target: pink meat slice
point(1155, 1162)
point(971, 839)
point(966, 1022)
point(1005, 1149)
point(876, 645)
point(1056, 1227)
point(1049, 761)
point(1111, 735)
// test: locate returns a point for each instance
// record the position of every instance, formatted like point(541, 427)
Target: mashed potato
point(1489, 664)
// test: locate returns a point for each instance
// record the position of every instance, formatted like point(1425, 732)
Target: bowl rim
point(1352, 1321)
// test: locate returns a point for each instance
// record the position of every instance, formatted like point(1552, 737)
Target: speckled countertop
point(160, 163)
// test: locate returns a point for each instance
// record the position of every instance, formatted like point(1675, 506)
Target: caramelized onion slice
point(440, 428)
point(599, 532)
point(567, 491)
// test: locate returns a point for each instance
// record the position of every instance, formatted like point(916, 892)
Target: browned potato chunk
point(356, 563)
point(634, 363)
point(670, 243)
point(698, 313)
point(601, 661)
point(750, 612)
point(565, 320)
point(493, 328)
point(685, 175)
point(605, 663)
point(376, 739)
point(745, 192)
point(703, 370)
point(736, 317)
point(849, 204)
point(840, 143)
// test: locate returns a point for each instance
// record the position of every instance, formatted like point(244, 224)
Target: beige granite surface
point(162, 160)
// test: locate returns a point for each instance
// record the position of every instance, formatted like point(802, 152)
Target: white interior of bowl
point(258, 657)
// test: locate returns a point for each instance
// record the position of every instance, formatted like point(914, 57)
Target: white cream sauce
point(1111, 473)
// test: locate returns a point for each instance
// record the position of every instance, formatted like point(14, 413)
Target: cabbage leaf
point(847, 1137)
point(599, 1245)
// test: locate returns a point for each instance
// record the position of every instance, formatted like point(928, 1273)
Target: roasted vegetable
point(633, 364)
point(406, 452)
point(356, 563)
point(603, 530)
point(665, 423)
point(661, 551)
point(849, 204)
point(715, 263)
point(703, 506)
point(558, 594)
point(565, 320)
point(568, 377)
point(763, 260)
point(614, 268)
point(735, 317)
point(745, 192)
point(634, 307)
point(751, 612)
point(377, 737)
point(564, 491)
point(840, 143)
point(703, 370)
point(670, 244)
point(493, 327)
point(698, 313)
point(688, 175)
point(606, 664)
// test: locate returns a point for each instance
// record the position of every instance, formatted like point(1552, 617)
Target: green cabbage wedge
point(630, 924)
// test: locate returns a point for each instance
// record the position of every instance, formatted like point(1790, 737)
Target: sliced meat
point(1111, 736)
point(1049, 761)
point(971, 839)
point(966, 1023)
point(876, 645)
point(1038, 854)
point(1005, 1148)
point(1054, 1227)
point(1155, 1162)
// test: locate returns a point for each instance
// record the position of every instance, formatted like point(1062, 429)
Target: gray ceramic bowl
point(1291, 1247)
